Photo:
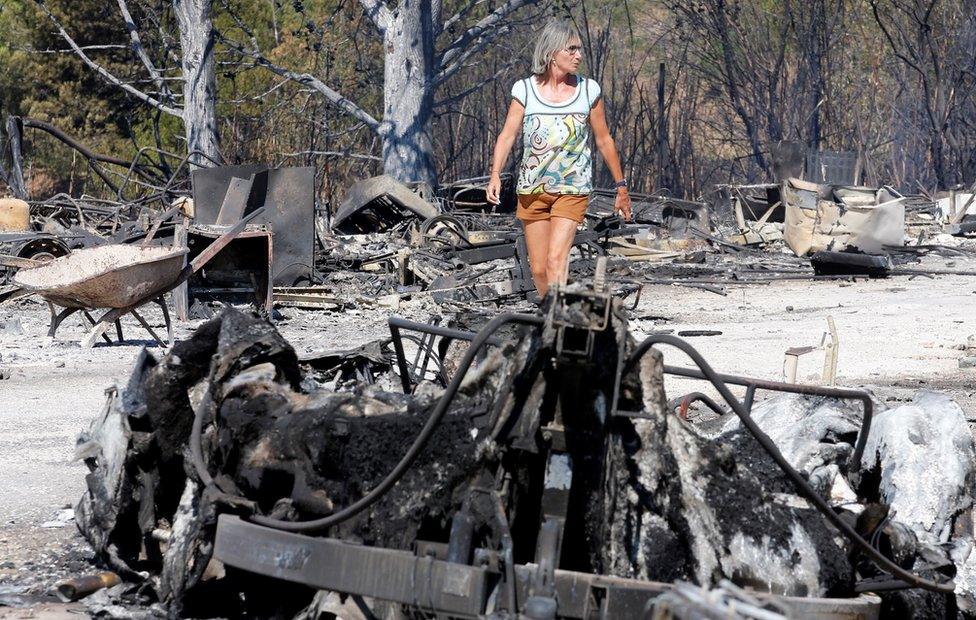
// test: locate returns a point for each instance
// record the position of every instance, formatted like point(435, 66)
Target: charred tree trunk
point(15, 180)
point(408, 97)
point(199, 80)
point(937, 151)
point(662, 133)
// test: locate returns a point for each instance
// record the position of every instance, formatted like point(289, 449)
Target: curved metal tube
point(801, 485)
point(196, 438)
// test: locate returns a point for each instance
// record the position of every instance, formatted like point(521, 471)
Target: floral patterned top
point(555, 136)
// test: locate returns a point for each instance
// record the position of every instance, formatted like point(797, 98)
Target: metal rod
point(401, 357)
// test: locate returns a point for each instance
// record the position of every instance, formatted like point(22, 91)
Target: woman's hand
point(494, 189)
point(622, 204)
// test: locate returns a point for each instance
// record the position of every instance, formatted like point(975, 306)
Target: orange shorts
point(534, 207)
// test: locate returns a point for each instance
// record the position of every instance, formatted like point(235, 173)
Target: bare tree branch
point(891, 41)
point(462, 12)
point(68, 50)
point(475, 87)
point(307, 79)
point(436, 10)
point(475, 47)
point(140, 51)
point(334, 154)
point(138, 94)
point(484, 30)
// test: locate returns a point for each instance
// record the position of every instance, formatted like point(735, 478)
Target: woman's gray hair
point(555, 36)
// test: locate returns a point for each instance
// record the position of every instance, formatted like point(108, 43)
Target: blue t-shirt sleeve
point(593, 92)
point(518, 92)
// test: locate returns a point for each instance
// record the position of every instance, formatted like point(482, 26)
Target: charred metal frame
point(251, 253)
point(752, 384)
point(442, 579)
point(427, 582)
point(418, 368)
point(452, 578)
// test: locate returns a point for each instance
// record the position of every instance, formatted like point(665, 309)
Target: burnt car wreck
point(540, 472)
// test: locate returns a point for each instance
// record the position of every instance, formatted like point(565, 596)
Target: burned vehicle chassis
point(457, 577)
point(549, 480)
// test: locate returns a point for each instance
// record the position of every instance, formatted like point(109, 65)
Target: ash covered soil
point(897, 335)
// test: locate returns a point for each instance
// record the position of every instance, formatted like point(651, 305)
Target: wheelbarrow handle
point(162, 218)
point(8, 293)
point(18, 262)
point(216, 246)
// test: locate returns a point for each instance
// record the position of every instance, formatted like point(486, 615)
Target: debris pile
point(388, 243)
point(225, 462)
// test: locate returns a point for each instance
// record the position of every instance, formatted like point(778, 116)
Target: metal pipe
point(460, 539)
point(401, 357)
point(424, 353)
point(508, 555)
point(196, 438)
point(882, 585)
point(767, 444)
point(751, 396)
point(932, 272)
point(76, 588)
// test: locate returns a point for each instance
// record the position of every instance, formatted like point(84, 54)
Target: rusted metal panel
point(241, 270)
point(287, 194)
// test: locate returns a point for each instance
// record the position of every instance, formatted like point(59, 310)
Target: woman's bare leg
point(562, 232)
point(537, 242)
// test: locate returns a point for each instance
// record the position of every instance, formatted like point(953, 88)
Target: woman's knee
point(555, 266)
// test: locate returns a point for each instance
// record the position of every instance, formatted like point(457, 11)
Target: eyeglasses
point(572, 49)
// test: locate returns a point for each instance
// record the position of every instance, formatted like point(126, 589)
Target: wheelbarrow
point(118, 278)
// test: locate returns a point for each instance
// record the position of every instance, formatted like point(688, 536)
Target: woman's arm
point(503, 146)
point(607, 148)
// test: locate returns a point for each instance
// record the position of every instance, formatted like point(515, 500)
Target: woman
point(555, 109)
